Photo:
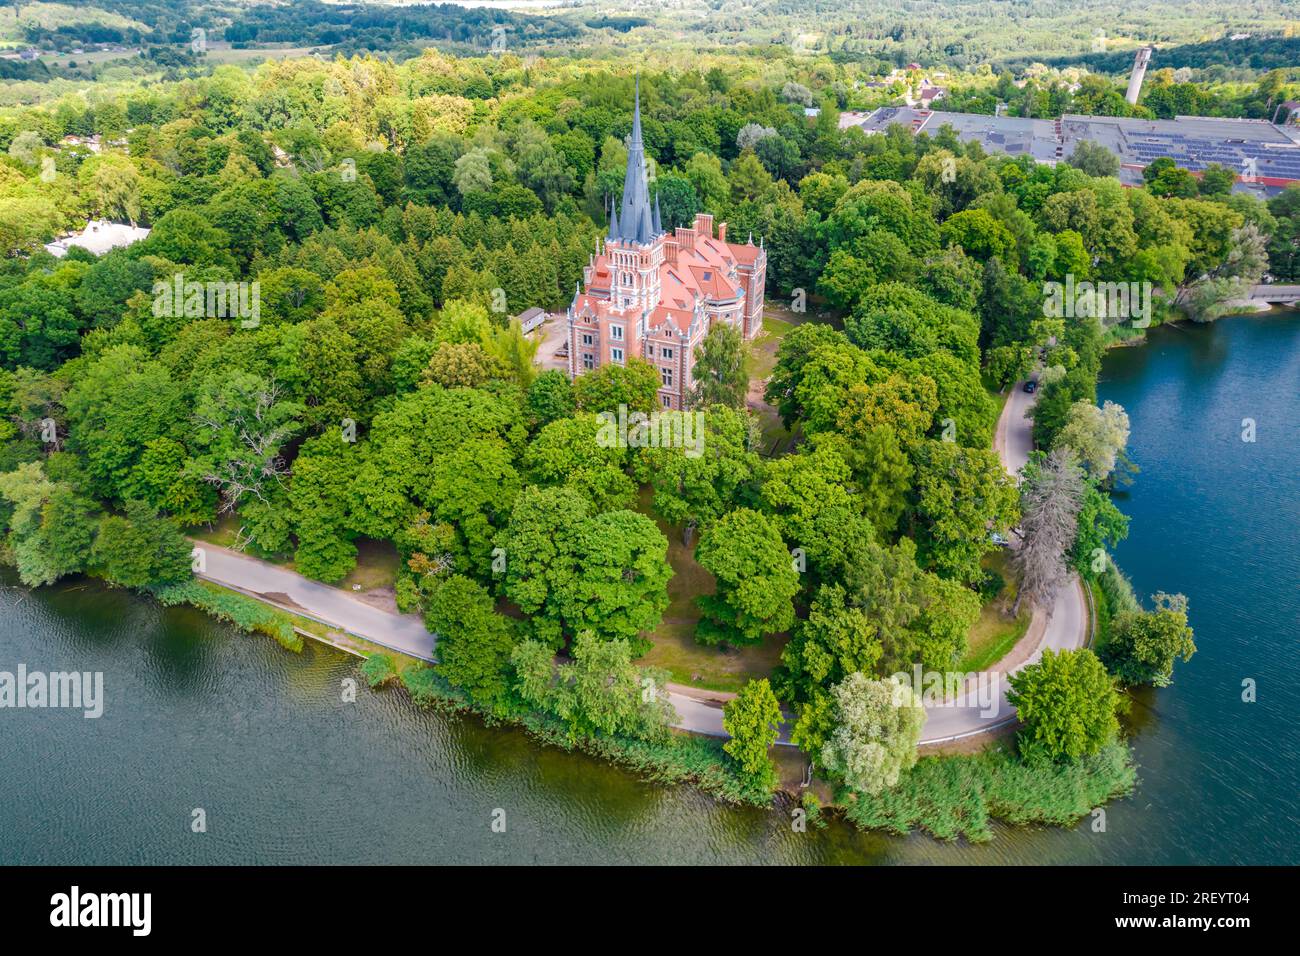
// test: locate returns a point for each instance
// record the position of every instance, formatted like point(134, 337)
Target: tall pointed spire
point(636, 221)
point(636, 112)
point(658, 221)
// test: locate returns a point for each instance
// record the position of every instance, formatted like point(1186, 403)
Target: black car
point(1031, 386)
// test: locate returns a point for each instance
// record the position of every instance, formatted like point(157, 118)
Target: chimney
point(722, 232)
point(686, 237)
point(670, 251)
point(1139, 72)
point(704, 224)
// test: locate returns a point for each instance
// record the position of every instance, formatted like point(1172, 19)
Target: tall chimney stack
point(1139, 73)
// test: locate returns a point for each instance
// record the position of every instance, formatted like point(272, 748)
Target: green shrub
point(681, 758)
point(1118, 590)
point(991, 586)
point(378, 669)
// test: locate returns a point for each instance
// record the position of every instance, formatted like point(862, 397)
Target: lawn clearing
point(675, 648)
point(996, 632)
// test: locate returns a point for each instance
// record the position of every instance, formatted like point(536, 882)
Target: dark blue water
point(1218, 519)
point(198, 716)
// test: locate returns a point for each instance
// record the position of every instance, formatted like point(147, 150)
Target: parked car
point(1000, 540)
point(1031, 386)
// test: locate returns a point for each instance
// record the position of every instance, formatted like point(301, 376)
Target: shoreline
point(1005, 792)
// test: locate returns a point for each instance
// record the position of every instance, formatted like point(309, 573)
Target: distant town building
point(98, 237)
point(654, 294)
point(531, 319)
point(931, 93)
point(1285, 114)
point(90, 142)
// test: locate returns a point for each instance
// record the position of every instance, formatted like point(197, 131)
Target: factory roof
point(1258, 151)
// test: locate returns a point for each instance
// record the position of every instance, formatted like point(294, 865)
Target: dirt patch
point(385, 599)
point(699, 693)
point(279, 597)
point(969, 745)
point(792, 771)
point(1026, 646)
point(554, 335)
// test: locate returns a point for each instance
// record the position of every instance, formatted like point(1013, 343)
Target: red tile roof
point(702, 272)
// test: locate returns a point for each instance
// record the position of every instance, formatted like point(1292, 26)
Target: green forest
point(395, 216)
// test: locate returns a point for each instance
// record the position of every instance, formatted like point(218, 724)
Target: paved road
point(405, 633)
point(1279, 293)
point(399, 632)
point(972, 711)
point(1015, 439)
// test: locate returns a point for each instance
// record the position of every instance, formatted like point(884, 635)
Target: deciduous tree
point(1050, 499)
point(753, 719)
point(877, 726)
point(1067, 704)
point(756, 580)
point(1144, 645)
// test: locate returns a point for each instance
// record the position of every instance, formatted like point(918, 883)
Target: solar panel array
point(1195, 153)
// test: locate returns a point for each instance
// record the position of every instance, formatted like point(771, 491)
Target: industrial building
point(1265, 157)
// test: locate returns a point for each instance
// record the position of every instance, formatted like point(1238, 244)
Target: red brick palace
point(655, 295)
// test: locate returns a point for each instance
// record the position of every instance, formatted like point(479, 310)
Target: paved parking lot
point(553, 332)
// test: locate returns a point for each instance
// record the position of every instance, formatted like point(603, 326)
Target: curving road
point(1064, 626)
point(980, 706)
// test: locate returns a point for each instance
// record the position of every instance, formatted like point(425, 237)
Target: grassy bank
point(673, 644)
point(1111, 594)
point(960, 796)
point(996, 632)
point(950, 796)
point(681, 758)
point(245, 613)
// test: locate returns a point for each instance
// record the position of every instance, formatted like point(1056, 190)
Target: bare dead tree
point(1050, 505)
point(254, 462)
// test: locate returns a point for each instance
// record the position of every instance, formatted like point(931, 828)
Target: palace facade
point(653, 294)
